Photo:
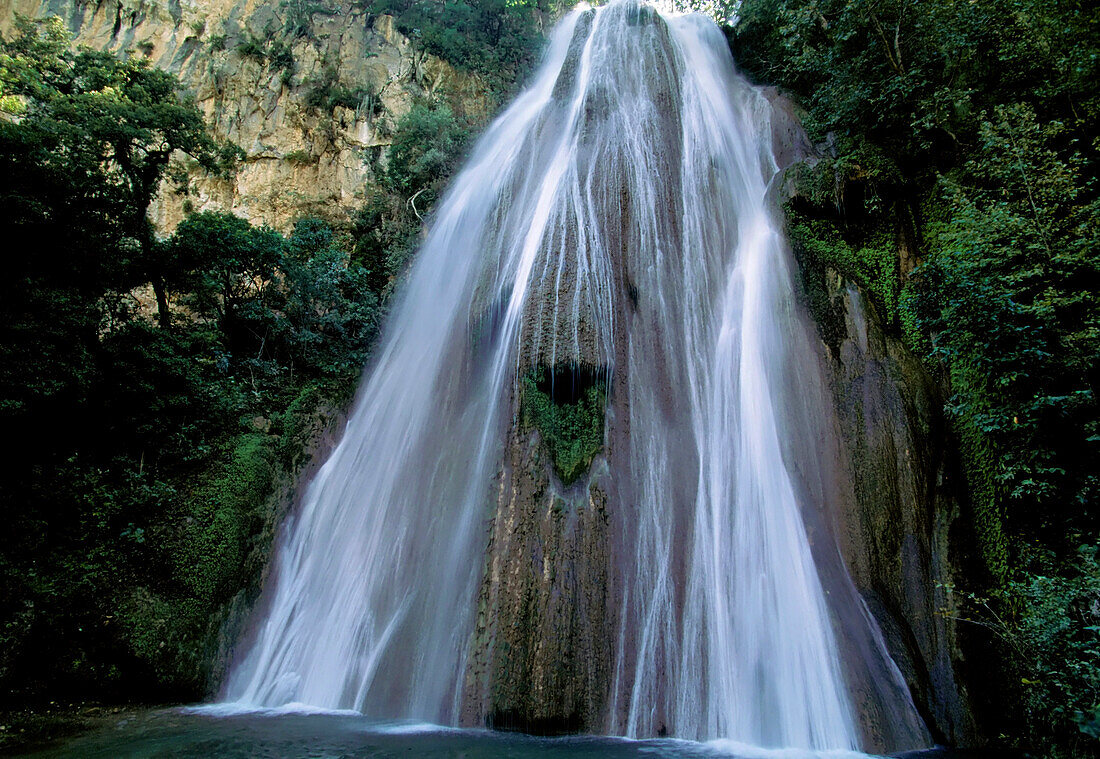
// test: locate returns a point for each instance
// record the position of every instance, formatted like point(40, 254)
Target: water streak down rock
point(613, 237)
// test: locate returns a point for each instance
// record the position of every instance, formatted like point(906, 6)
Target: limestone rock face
point(301, 157)
point(894, 522)
point(542, 659)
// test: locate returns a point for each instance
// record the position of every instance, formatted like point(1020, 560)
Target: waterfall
point(619, 215)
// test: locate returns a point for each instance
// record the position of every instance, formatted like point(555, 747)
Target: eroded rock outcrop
point(310, 92)
point(899, 503)
point(542, 656)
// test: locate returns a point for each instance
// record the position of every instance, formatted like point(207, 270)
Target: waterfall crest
point(617, 216)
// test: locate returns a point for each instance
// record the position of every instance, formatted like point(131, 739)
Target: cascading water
point(618, 217)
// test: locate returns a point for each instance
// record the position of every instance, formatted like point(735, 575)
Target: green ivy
point(867, 257)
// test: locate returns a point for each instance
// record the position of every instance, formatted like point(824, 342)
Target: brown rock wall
point(299, 159)
point(542, 654)
point(894, 524)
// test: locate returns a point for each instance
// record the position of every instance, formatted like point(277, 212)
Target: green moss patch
point(865, 256)
point(567, 406)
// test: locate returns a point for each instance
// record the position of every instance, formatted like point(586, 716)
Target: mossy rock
point(567, 406)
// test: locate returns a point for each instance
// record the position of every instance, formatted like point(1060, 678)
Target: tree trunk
point(163, 315)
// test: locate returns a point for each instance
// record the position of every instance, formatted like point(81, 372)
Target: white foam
point(235, 708)
point(416, 728)
point(748, 751)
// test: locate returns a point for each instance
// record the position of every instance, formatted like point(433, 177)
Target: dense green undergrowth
point(959, 187)
point(161, 394)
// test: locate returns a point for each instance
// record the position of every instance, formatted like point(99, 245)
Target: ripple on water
point(297, 731)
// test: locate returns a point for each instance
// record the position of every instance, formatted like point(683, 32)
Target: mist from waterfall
point(619, 215)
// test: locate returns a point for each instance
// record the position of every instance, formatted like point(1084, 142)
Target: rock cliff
point(309, 90)
point(898, 502)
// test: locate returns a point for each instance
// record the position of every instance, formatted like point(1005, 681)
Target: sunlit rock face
point(299, 158)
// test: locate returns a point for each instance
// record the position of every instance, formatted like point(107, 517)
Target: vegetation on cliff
point(964, 137)
point(156, 391)
point(494, 38)
point(567, 405)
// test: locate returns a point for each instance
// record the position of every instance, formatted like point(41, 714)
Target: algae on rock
point(566, 405)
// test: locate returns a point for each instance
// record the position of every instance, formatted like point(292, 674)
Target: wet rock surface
point(542, 656)
point(894, 524)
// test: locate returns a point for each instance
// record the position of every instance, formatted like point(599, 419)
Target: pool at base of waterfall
point(301, 733)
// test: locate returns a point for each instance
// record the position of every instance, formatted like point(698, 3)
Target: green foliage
point(252, 47)
point(213, 544)
point(201, 547)
point(494, 38)
point(98, 134)
point(427, 145)
point(330, 305)
point(224, 265)
point(97, 107)
point(1050, 619)
point(292, 426)
point(1007, 296)
point(147, 447)
point(386, 232)
point(271, 50)
point(152, 534)
point(299, 15)
point(325, 92)
point(567, 408)
point(300, 157)
point(980, 462)
point(887, 76)
point(866, 256)
point(297, 304)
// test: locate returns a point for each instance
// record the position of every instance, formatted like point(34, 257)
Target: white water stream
point(635, 167)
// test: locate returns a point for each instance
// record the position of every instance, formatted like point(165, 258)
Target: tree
point(120, 120)
point(227, 267)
